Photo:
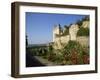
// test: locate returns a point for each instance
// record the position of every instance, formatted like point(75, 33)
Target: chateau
point(61, 36)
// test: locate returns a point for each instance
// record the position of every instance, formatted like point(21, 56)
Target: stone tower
point(73, 31)
point(56, 31)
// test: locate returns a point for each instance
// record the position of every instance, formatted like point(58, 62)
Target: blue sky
point(39, 26)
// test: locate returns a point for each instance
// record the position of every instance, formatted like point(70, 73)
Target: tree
point(86, 18)
point(83, 32)
point(50, 48)
point(79, 22)
point(66, 31)
point(26, 40)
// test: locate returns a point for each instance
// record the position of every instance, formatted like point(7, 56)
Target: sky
point(39, 26)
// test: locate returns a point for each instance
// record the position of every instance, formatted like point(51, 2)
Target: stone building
point(59, 40)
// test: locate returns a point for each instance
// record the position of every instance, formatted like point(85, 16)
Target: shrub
point(74, 51)
point(83, 32)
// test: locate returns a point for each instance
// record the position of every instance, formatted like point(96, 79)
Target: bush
point(83, 32)
point(73, 50)
point(72, 45)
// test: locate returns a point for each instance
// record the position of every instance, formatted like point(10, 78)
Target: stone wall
point(73, 31)
point(60, 41)
point(83, 40)
point(65, 39)
point(86, 24)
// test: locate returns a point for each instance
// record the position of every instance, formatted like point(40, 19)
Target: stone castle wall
point(83, 40)
point(60, 41)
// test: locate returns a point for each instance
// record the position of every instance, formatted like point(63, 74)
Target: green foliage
point(66, 32)
point(66, 26)
point(72, 45)
point(79, 22)
point(86, 18)
point(73, 49)
point(56, 58)
point(50, 48)
point(83, 32)
point(26, 41)
point(71, 54)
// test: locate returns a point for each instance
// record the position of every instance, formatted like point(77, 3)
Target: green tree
point(66, 31)
point(79, 22)
point(26, 40)
point(83, 32)
point(86, 18)
point(73, 50)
